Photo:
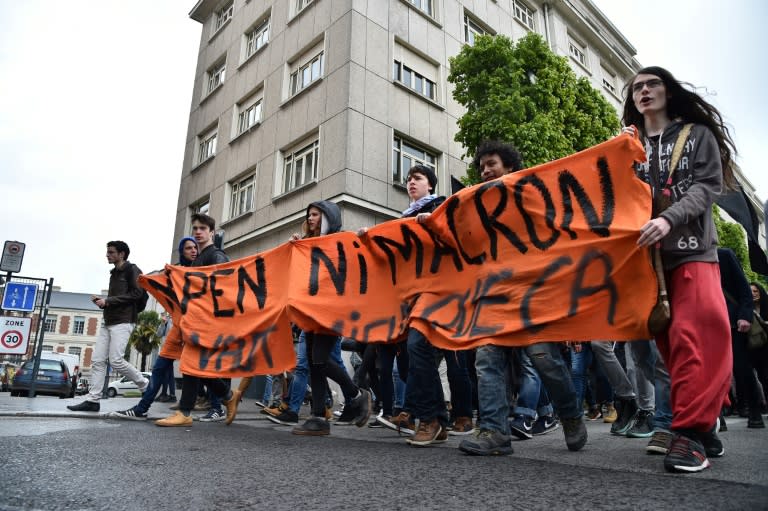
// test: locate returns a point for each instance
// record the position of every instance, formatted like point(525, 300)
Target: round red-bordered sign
point(14, 248)
point(11, 338)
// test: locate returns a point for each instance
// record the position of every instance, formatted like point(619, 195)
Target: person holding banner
point(495, 159)
point(424, 397)
point(674, 119)
point(324, 217)
point(170, 350)
point(203, 229)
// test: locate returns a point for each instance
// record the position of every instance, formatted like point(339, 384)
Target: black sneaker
point(85, 406)
point(755, 419)
point(544, 425)
point(685, 455)
point(129, 414)
point(347, 417)
point(286, 418)
point(575, 432)
point(628, 410)
point(642, 427)
point(359, 409)
point(521, 427)
point(314, 426)
point(713, 446)
point(485, 442)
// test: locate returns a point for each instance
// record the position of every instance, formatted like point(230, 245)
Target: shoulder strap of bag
point(677, 150)
point(659, 267)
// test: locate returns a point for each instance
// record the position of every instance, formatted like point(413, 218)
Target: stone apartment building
point(300, 100)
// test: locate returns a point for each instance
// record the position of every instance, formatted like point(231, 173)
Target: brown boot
point(428, 433)
point(234, 401)
point(462, 426)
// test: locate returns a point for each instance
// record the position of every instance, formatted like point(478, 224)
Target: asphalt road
point(55, 459)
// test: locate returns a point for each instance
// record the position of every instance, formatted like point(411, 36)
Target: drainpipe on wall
point(546, 25)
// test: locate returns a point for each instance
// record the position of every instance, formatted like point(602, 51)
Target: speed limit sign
point(14, 334)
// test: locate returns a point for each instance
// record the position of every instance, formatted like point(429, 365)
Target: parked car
point(52, 378)
point(82, 387)
point(73, 365)
point(123, 385)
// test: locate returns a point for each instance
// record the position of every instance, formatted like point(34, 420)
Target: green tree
point(144, 337)
point(525, 94)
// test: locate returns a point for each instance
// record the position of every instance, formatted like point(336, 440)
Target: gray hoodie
point(696, 182)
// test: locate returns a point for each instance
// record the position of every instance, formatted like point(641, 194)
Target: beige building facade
point(296, 101)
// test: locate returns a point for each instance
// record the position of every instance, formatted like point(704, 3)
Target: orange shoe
point(177, 419)
point(231, 405)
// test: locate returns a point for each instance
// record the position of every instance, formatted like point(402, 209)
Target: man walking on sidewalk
point(120, 312)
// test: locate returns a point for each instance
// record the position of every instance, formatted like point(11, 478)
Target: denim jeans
point(159, 373)
point(322, 365)
point(399, 399)
point(298, 388)
point(491, 364)
point(603, 352)
point(423, 392)
point(532, 400)
point(580, 362)
point(388, 355)
point(459, 383)
point(643, 360)
point(649, 361)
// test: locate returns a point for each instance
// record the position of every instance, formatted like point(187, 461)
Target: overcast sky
point(95, 98)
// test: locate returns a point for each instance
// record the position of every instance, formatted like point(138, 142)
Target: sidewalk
point(47, 406)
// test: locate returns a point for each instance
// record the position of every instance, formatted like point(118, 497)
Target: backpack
point(141, 303)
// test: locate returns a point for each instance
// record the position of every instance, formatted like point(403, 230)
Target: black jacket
point(123, 295)
point(738, 295)
point(210, 255)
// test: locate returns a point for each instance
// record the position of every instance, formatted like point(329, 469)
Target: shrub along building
point(296, 101)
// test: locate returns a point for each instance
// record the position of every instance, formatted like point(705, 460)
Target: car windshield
point(45, 365)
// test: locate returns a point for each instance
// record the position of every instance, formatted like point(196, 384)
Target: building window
point(47, 347)
point(248, 113)
point(305, 71)
point(257, 37)
point(242, 196)
point(415, 72)
point(75, 350)
point(206, 146)
point(216, 75)
point(523, 14)
point(203, 206)
point(426, 6)
point(300, 166)
point(406, 154)
point(50, 324)
point(301, 4)
point(414, 80)
point(78, 327)
point(578, 52)
point(471, 29)
point(223, 15)
point(609, 81)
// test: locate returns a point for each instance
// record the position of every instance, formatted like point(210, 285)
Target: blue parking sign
point(19, 296)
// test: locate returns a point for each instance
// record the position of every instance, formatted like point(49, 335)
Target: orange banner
point(545, 254)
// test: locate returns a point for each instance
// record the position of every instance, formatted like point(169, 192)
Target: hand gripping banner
point(545, 254)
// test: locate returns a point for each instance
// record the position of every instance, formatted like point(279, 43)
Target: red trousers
point(697, 346)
